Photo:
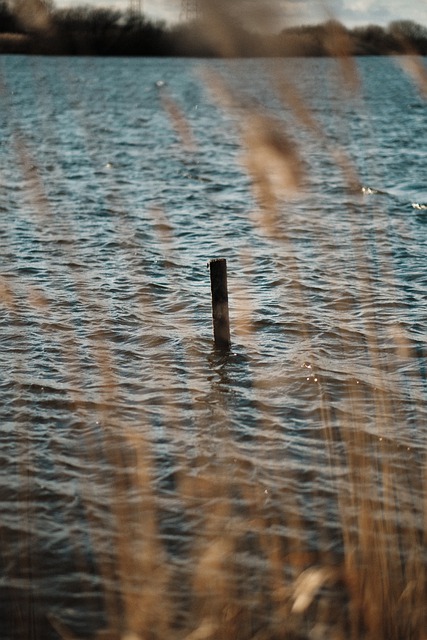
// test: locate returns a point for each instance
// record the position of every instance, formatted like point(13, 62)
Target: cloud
point(377, 11)
point(351, 12)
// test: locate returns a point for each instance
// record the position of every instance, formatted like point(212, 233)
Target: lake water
point(130, 447)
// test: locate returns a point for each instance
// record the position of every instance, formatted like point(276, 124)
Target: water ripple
point(115, 404)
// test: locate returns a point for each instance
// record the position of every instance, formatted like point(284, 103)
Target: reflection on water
point(136, 459)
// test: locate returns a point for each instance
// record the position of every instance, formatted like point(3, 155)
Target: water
point(123, 430)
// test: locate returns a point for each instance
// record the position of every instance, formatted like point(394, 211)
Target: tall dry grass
point(240, 574)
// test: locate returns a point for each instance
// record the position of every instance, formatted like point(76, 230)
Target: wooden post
point(221, 321)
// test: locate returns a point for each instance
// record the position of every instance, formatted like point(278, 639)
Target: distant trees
point(408, 29)
point(81, 30)
point(301, 41)
point(373, 40)
point(36, 26)
point(85, 30)
point(333, 38)
point(140, 36)
point(410, 34)
point(8, 21)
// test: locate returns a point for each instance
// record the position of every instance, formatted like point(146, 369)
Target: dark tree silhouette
point(410, 35)
point(8, 21)
point(374, 40)
point(36, 26)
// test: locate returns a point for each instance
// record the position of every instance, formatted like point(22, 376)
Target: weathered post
point(221, 321)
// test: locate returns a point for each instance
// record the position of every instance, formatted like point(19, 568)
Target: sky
point(350, 12)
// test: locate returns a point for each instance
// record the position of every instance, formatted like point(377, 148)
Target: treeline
point(36, 26)
point(333, 38)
